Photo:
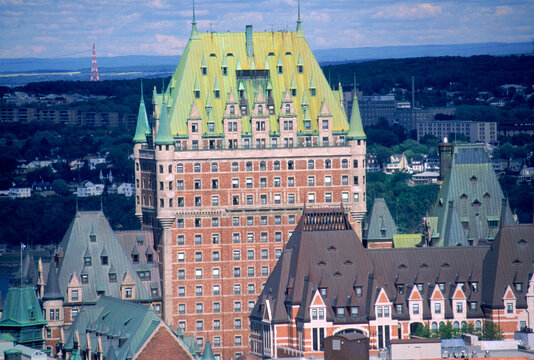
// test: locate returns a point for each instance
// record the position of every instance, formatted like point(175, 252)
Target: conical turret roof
point(208, 352)
point(52, 291)
point(356, 127)
point(164, 135)
point(142, 128)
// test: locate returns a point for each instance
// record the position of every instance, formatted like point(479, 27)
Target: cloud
point(46, 39)
point(503, 11)
point(408, 12)
point(164, 45)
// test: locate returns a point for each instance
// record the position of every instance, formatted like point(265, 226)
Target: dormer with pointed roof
point(142, 129)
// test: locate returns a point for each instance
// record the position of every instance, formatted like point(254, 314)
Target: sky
point(68, 28)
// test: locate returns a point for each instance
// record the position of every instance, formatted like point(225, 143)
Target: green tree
point(60, 187)
point(491, 331)
point(423, 331)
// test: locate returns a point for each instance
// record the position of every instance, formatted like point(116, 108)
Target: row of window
point(277, 165)
point(236, 238)
point(215, 255)
point(216, 274)
point(216, 307)
point(250, 220)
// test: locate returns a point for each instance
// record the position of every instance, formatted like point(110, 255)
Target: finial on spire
point(194, 19)
point(299, 22)
point(194, 31)
point(142, 99)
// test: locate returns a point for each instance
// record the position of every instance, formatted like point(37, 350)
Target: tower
point(94, 67)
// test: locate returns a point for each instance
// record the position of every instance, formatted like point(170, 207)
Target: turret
point(141, 137)
point(357, 141)
point(53, 310)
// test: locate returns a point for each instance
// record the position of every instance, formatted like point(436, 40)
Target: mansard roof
point(74, 245)
point(469, 206)
point(21, 308)
point(275, 63)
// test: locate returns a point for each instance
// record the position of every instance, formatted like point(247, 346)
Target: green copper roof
point(380, 225)
point(270, 49)
point(21, 308)
point(469, 199)
point(406, 240)
point(142, 129)
point(164, 135)
point(208, 352)
point(356, 127)
point(74, 245)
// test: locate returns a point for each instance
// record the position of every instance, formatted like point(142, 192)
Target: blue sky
point(67, 28)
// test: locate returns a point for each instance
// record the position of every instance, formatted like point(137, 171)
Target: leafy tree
point(423, 331)
point(491, 331)
point(60, 187)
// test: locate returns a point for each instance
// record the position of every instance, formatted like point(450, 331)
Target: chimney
point(445, 158)
point(250, 48)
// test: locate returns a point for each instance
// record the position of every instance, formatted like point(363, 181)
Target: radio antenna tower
point(94, 67)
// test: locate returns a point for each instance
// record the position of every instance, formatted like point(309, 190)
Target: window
point(354, 311)
point(197, 167)
point(237, 324)
point(216, 307)
point(198, 201)
point(379, 311)
point(263, 182)
point(180, 168)
point(340, 312)
point(276, 182)
point(217, 339)
point(251, 289)
point(264, 271)
point(473, 306)
point(248, 166)
point(509, 308)
point(290, 198)
point(198, 290)
point(198, 239)
point(344, 196)
point(250, 237)
point(344, 180)
point(235, 238)
point(180, 185)
point(344, 163)
point(248, 183)
point(264, 237)
point(311, 164)
point(328, 180)
point(459, 307)
point(415, 309)
point(264, 254)
point(291, 219)
point(216, 324)
point(215, 200)
point(235, 199)
point(263, 220)
point(237, 339)
point(215, 256)
point(276, 165)
point(237, 289)
point(128, 293)
point(199, 307)
point(237, 255)
point(325, 124)
point(180, 239)
point(198, 256)
point(250, 271)
point(328, 197)
point(250, 254)
point(311, 198)
point(237, 306)
point(277, 253)
point(216, 290)
point(437, 308)
point(277, 236)
point(311, 180)
point(237, 272)
point(235, 183)
point(198, 273)
point(290, 181)
point(180, 224)
point(356, 197)
point(74, 313)
point(181, 274)
point(399, 309)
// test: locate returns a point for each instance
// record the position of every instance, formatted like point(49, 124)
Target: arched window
point(434, 326)
point(478, 325)
point(456, 325)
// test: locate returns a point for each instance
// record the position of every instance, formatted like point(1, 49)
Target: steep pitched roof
point(52, 291)
point(74, 245)
point(469, 207)
point(381, 225)
point(201, 63)
point(112, 320)
point(508, 262)
point(142, 129)
point(356, 126)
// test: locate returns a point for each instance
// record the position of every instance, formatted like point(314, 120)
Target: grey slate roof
point(76, 243)
point(380, 224)
point(336, 260)
point(469, 206)
point(52, 291)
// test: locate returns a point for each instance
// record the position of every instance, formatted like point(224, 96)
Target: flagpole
point(21, 263)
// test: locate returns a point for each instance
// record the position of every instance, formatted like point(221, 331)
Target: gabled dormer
point(312, 87)
point(203, 67)
point(459, 302)
point(437, 303)
point(509, 301)
point(415, 303)
point(216, 89)
point(317, 308)
point(224, 67)
point(287, 108)
point(74, 289)
point(382, 306)
point(128, 287)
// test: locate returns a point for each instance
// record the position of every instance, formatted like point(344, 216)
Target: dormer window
point(441, 287)
point(197, 94)
point(232, 110)
point(211, 127)
point(518, 288)
point(300, 69)
point(112, 277)
point(340, 312)
point(271, 109)
point(474, 286)
point(135, 258)
point(307, 125)
point(312, 92)
point(288, 109)
point(104, 260)
point(149, 258)
point(241, 93)
point(400, 288)
point(87, 261)
point(358, 291)
point(204, 70)
point(260, 109)
point(244, 110)
point(85, 279)
point(224, 70)
point(217, 94)
point(280, 69)
point(323, 292)
point(194, 127)
point(269, 93)
point(293, 92)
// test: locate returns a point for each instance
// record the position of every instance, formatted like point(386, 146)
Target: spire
point(299, 21)
point(164, 135)
point(194, 31)
point(52, 291)
point(356, 127)
point(142, 129)
point(208, 352)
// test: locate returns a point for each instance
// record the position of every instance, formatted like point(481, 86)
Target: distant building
point(19, 193)
point(372, 163)
point(372, 108)
point(397, 163)
point(326, 283)
point(425, 178)
point(126, 189)
point(526, 175)
point(90, 189)
point(475, 131)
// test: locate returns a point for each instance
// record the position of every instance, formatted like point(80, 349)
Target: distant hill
point(16, 72)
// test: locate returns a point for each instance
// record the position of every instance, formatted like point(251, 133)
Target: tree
point(60, 187)
point(491, 331)
point(423, 331)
